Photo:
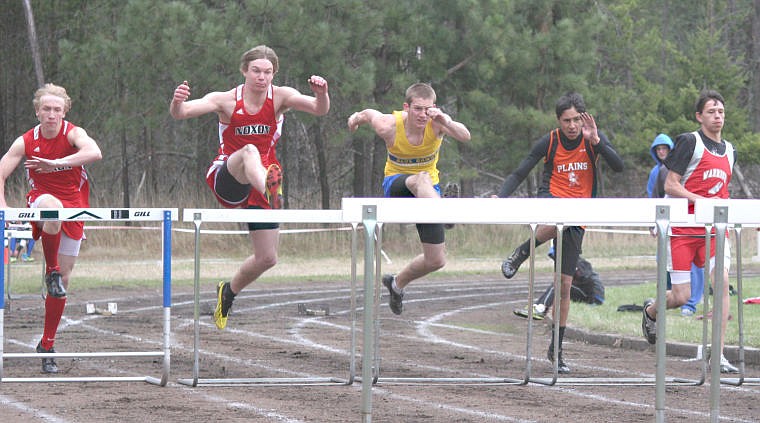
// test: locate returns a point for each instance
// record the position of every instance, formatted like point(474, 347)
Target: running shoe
point(539, 312)
point(54, 284)
point(395, 302)
point(274, 186)
point(512, 263)
point(726, 366)
point(562, 367)
point(48, 363)
point(648, 325)
point(451, 190)
point(224, 297)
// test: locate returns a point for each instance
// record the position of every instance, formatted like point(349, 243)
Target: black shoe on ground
point(395, 302)
point(48, 363)
point(562, 368)
point(648, 325)
point(512, 263)
point(451, 190)
point(54, 284)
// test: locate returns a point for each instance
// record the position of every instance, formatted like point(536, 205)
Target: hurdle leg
point(377, 296)
point(721, 219)
point(531, 283)
point(2, 297)
point(8, 283)
point(166, 259)
point(739, 310)
point(196, 305)
point(661, 221)
point(557, 306)
point(369, 220)
point(352, 349)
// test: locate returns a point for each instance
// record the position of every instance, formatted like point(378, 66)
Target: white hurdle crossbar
point(198, 216)
point(721, 214)
point(375, 212)
point(97, 214)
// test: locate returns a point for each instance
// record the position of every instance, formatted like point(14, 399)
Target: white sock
point(395, 287)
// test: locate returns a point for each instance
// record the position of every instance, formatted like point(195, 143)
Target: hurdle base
point(613, 381)
point(446, 380)
point(263, 381)
point(76, 379)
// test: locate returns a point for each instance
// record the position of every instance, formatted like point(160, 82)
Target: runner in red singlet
point(700, 166)
point(55, 152)
point(245, 173)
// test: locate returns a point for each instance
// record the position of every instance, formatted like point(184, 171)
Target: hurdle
point(522, 211)
point(97, 214)
point(197, 217)
point(723, 214)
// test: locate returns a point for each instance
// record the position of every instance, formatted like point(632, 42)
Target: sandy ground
point(456, 338)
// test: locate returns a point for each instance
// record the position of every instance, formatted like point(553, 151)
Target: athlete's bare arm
point(221, 103)
point(287, 98)
point(444, 124)
point(383, 124)
point(674, 188)
point(8, 163)
point(87, 152)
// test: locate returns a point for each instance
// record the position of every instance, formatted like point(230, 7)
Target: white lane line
point(428, 324)
point(34, 412)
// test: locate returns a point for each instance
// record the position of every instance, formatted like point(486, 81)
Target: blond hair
point(55, 90)
point(259, 52)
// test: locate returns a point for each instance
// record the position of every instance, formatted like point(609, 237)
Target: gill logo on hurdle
point(88, 214)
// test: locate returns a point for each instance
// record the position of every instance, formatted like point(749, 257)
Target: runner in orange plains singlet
point(570, 154)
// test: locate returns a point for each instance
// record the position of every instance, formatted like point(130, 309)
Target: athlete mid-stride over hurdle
point(246, 173)
point(570, 153)
point(55, 152)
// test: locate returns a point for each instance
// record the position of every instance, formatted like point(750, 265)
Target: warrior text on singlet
point(715, 173)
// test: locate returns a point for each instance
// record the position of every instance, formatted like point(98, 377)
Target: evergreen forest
point(498, 66)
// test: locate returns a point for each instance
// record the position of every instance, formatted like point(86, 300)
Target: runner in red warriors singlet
point(245, 173)
point(570, 154)
point(699, 166)
point(55, 152)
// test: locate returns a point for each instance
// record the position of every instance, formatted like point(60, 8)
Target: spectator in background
point(21, 248)
point(587, 288)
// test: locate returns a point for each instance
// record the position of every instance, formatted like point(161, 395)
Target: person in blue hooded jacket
point(659, 150)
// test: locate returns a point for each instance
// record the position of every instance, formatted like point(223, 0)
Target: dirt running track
point(451, 329)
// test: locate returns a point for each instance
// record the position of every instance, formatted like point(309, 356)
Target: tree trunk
point(324, 185)
point(754, 69)
point(34, 44)
point(360, 166)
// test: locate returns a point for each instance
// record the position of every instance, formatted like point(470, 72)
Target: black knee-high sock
point(561, 338)
point(525, 247)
